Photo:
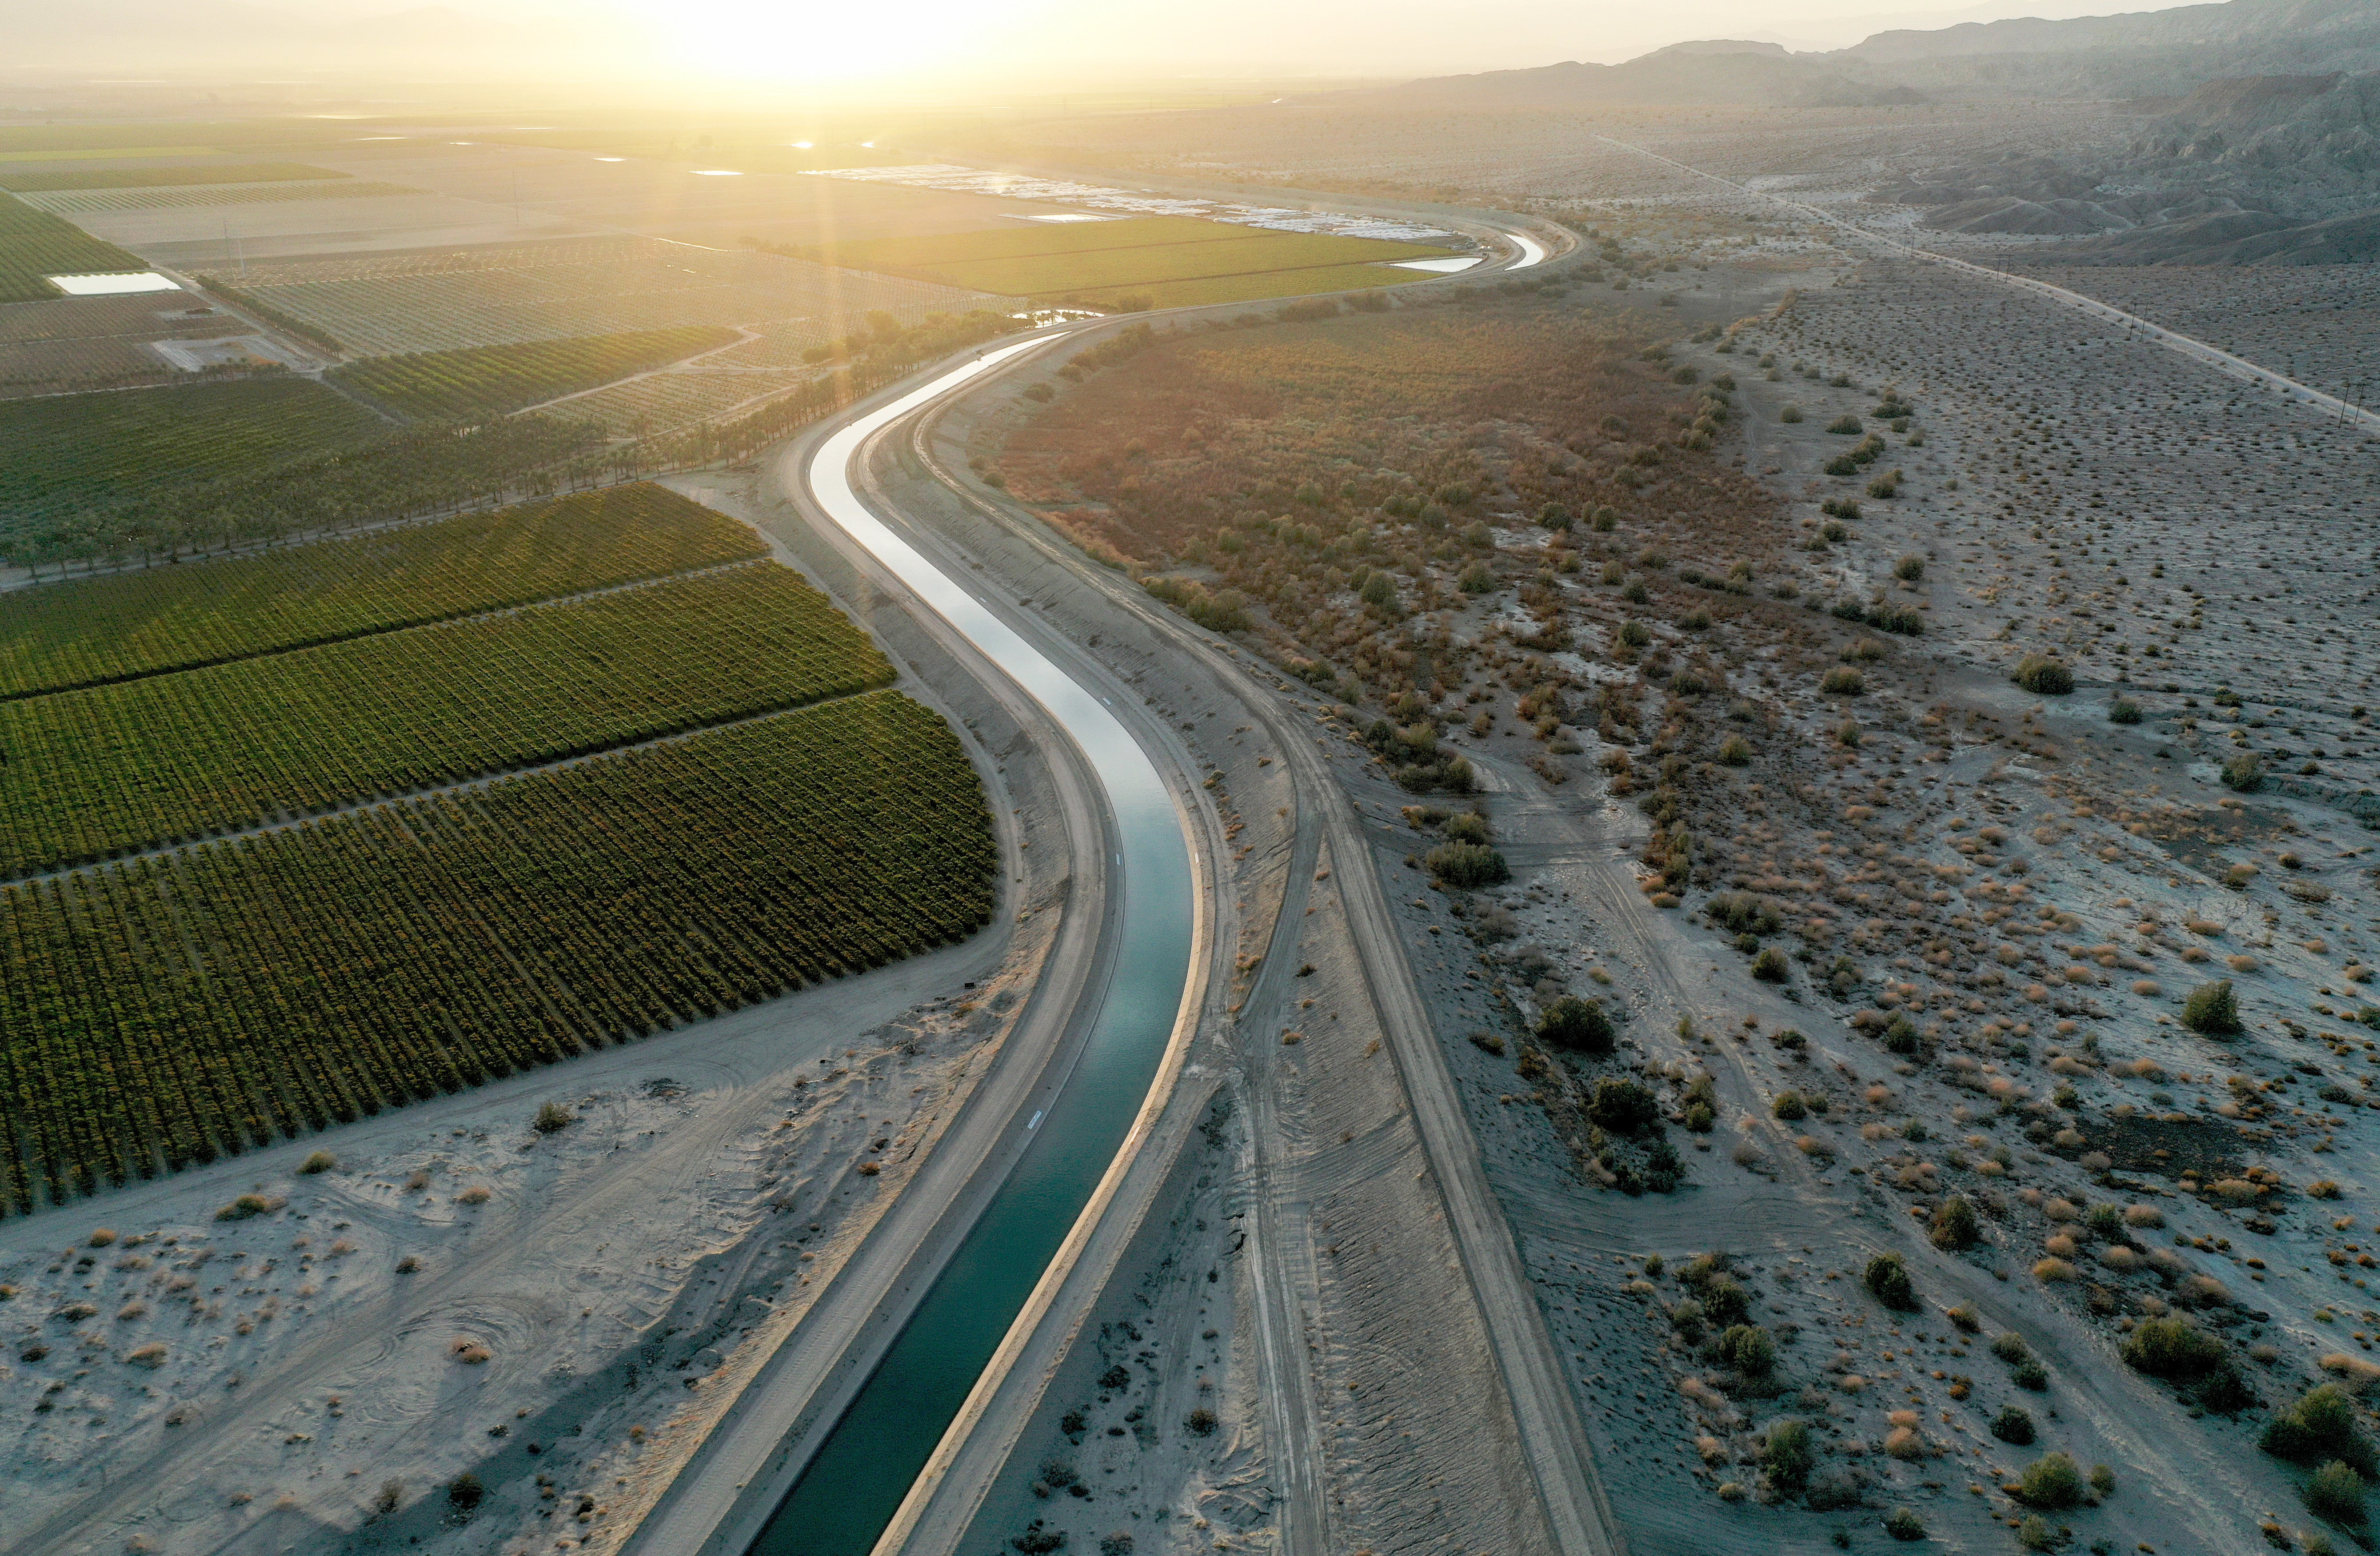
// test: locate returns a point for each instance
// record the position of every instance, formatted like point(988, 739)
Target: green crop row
point(161, 177)
point(176, 1009)
point(169, 759)
point(35, 245)
point(72, 449)
point(84, 633)
point(490, 380)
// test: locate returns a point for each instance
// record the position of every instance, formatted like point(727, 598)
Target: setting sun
point(750, 40)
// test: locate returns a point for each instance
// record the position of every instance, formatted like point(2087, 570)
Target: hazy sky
point(1336, 37)
point(977, 40)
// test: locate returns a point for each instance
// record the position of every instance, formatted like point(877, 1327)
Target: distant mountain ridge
point(2148, 53)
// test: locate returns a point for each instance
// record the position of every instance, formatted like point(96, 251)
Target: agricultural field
point(29, 181)
point(162, 619)
point(92, 201)
point(68, 344)
point(490, 380)
point(68, 451)
point(171, 1010)
point(168, 758)
point(35, 245)
point(389, 305)
point(662, 401)
point(1080, 260)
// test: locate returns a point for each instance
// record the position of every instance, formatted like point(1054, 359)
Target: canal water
point(860, 1473)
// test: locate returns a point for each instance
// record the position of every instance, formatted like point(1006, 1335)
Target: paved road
point(2222, 361)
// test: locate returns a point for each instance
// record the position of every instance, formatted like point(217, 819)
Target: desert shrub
point(2030, 1374)
point(1201, 1422)
point(1116, 1543)
point(2051, 1481)
point(1553, 515)
point(466, 1492)
point(1789, 1107)
point(1770, 966)
point(2011, 1347)
point(2243, 773)
point(1477, 579)
point(2321, 1425)
point(2035, 1533)
point(1579, 1024)
point(1622, 1106)
point(1911, 568)
point(1467, 865)
point(1843, 681)
point(1735, 751)
point(1902, 1524)
point(2336, 1492)
point(2123, 710)
point(1787, 1454)
point(384, 1502)
point(1635, 634)
point(1955, 1225)
point(2173, 1349)
point(1845, 425)
point(1900, 1036)
point(552, 1117)
point(1038, 1541)
point(245, 1206)
point(2212, 1009)
point(1887, 1280)
point(2013, 1424)
point(1749, 1349)
point(1606, 518)
point(1724, 1302)
point(1790, 413)
point(1116, 1377)
point(2042, 675)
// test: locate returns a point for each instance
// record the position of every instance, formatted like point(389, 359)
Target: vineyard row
point(170, 759)
point(86, 633)
point(177, 1008)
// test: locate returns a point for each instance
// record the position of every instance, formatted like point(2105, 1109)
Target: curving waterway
point(857, 1480)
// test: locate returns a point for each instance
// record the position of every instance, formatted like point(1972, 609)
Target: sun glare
point(757, 40)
